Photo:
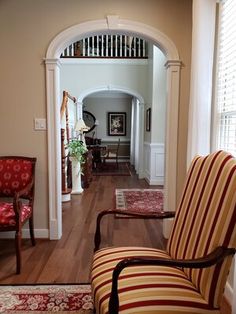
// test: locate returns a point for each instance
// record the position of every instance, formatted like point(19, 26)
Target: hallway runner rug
point(139, 200)
point(46, 299)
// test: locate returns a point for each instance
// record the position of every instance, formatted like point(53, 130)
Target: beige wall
point(26, 29)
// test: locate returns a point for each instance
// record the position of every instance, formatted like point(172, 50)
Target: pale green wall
point(100, 106)
point(78, 78)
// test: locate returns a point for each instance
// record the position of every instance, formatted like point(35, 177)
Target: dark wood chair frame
point(25, 194)
point(211, 259)
point(114, 151)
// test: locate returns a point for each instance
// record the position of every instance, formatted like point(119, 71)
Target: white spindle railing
point(108, 46)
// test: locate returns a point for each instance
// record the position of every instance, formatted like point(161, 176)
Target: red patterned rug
point(139, 200)
point(46, 299)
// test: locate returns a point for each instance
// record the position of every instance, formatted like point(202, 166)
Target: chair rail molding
point(52, 62)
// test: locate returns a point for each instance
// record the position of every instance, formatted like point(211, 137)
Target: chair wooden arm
point(97, 237)
point(17, 196)
point(26, 189)
point(211, 259)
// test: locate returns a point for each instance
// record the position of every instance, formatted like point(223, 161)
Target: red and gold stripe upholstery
point(205, 219)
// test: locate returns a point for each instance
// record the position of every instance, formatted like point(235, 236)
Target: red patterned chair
point(190, 276)
point(17, 176)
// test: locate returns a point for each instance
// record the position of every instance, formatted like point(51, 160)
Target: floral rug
point(46, 299)
point(139, 200)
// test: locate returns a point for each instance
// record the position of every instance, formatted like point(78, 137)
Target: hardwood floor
point(68, 260)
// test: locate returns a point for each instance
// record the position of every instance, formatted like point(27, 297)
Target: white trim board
point(39, 233)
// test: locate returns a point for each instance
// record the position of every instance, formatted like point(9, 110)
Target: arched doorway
point(52, 61)
point(136, 145)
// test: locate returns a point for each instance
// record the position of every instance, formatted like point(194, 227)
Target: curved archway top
point(111, 24)
point(105, 88)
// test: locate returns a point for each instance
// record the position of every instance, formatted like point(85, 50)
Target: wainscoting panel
point(154, 162)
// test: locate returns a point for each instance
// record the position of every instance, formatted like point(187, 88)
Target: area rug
point(46, 299)
point(139, 200)
point(110, 169)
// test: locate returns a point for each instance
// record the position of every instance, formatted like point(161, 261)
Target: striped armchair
point(190, 276)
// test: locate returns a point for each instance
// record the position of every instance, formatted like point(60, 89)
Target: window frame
point(216, 135)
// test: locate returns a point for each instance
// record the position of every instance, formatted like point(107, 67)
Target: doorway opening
point(52, 61)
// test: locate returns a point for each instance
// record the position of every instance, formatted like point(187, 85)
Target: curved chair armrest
point(17, 196)
point(211, 259)
point(97, 237)
point(26, 189)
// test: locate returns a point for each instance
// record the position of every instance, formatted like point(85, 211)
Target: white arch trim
point(111, 24)
point(102, 88)
point(52, 61)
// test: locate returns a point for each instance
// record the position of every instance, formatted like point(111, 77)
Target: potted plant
point(77, 149)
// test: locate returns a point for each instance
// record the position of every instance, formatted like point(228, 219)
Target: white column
point(76, 177)
point(173, 78)
point(79, 110)
point(54, 147)
point(203, 34)
point(141, 140)
point(106, 46)
point(102, 39)
point(84, 45)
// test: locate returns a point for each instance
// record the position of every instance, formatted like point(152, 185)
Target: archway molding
point(112, 24)
point(107, 88)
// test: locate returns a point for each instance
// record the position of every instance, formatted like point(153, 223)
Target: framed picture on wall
point(148, 120)
point(116, 123)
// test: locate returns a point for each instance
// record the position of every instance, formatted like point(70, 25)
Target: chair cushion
point(7, 214)
point(154, 289)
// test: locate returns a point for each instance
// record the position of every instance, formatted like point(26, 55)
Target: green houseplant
point(77, 149)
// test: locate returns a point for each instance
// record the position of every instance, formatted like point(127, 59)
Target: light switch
point(40, 124)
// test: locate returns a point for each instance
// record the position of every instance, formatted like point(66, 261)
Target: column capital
point(52, 61)
point(172, 63)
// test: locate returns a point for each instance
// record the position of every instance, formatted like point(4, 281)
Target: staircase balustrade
point(107, 46)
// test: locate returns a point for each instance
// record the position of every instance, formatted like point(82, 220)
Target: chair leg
point(31, 228)
point(18, 251)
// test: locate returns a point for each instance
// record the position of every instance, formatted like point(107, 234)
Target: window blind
point(226, 78)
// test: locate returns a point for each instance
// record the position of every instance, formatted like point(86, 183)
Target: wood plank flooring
point(68, 260)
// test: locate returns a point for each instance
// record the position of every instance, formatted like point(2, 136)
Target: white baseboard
point(159, 181)
point(39, 233)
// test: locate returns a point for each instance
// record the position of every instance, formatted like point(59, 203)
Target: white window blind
point(226, 78)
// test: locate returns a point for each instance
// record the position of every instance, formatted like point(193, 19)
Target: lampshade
point(80, 126)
